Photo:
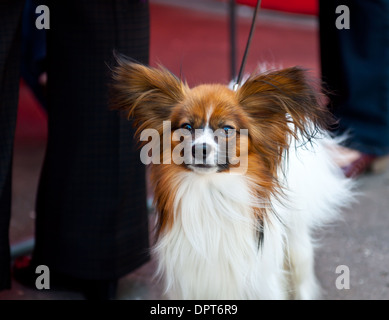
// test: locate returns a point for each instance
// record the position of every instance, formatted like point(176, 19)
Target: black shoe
point(100, 289)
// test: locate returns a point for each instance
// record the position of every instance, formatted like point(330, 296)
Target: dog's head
point(211, 128)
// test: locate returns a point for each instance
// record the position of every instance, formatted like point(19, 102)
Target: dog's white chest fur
point(212, 250)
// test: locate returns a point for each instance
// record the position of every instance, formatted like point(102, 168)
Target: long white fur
point(212, 250)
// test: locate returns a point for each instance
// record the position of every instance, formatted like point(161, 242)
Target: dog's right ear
point(144, 93)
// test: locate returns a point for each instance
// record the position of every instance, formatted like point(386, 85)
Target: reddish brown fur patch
point(199, 101)
point(163, 179)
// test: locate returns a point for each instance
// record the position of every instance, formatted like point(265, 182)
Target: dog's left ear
point(280, 104)
point(282, 97)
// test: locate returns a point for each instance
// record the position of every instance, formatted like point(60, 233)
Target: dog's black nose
point(199, 151)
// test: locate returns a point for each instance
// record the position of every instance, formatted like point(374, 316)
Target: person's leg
point(10, 41)
point(355, 69)
point(91, 205)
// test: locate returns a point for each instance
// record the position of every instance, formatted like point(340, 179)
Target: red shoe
point(366, 163)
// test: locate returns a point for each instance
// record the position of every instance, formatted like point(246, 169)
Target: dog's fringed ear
point(145, 94)
point(282, 103)
point(284, 96)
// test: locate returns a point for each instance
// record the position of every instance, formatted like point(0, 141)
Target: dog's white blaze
point(209, 114)
point(206, 136)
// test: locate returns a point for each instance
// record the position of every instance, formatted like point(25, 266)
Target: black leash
point(238, 81)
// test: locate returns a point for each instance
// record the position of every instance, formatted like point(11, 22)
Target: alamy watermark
point(43, 20)
point(343, 20)
point(342, 282)
point(43, 280)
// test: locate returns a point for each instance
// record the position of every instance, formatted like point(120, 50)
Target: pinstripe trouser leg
point(10, 37)
point(91, 205)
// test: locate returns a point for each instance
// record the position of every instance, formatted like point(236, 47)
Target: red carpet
point(31, 123)
point(310, 7)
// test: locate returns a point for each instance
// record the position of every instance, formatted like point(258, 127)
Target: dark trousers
point(10, 36)
point(355, 69)
point(91, 204)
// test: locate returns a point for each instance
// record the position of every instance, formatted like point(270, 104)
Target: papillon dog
point(241, 178)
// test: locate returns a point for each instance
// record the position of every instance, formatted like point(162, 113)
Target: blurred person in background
point(91, 216)
point(355, 71)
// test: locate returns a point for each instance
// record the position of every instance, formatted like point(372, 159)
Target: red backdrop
point(295, 6)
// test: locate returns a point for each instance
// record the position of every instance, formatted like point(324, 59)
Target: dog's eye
point(187, 126)
point(228, 130)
